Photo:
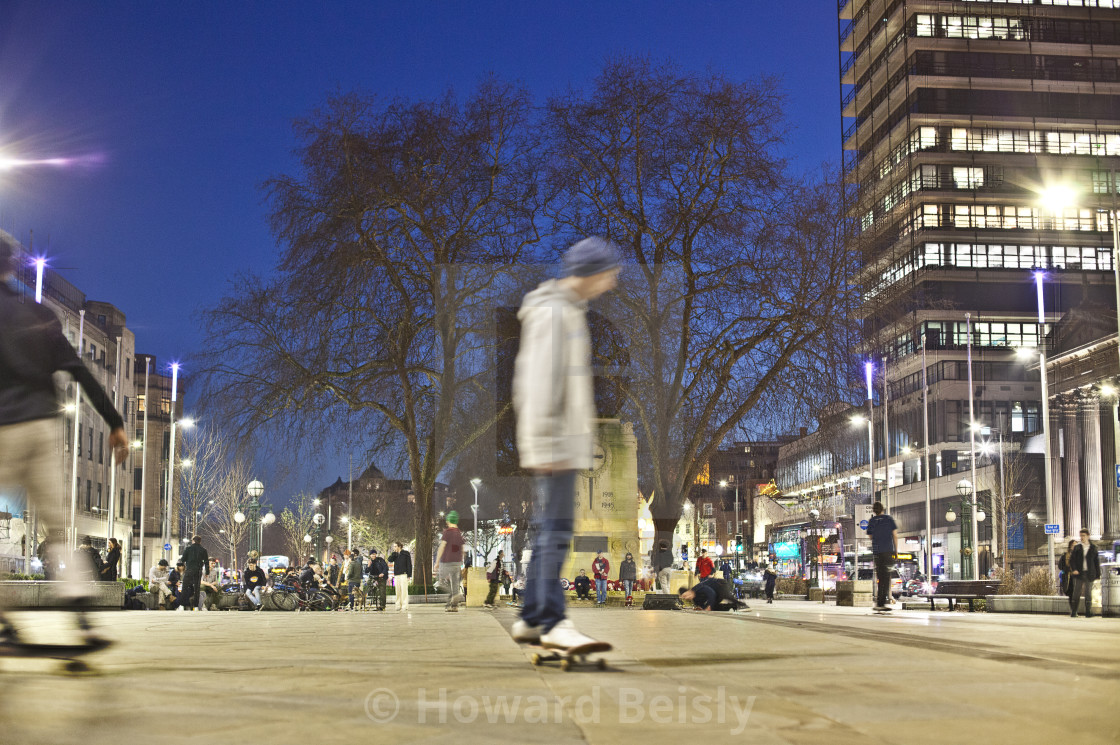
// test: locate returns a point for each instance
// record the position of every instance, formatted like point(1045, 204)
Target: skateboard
point(886, 612)
point(573, 655)
point(68, 653)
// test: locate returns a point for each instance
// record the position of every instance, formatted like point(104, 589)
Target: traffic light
point(738, 544)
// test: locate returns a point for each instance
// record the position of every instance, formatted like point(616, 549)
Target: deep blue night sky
point(184, 109)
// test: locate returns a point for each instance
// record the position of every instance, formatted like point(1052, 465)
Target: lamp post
point(967, 492)
point(815, 555)
point(738, 525)
point(474, 485)
point(1048, 466)
point(319, 518)
point(255, 489)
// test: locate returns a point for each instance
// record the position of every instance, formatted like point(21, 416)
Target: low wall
point(1048, 604)
point(46, 594)
point(854, 593)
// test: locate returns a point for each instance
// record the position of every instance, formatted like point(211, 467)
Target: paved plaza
point(792, 672)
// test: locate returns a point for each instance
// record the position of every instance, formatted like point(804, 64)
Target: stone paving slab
point(791, 672)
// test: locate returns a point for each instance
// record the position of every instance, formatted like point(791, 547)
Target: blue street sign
point(863, 525)
point(1052, 528)
point(167, 547)
point(1118, 475)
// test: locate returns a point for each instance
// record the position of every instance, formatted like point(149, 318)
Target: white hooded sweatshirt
point(553, 381)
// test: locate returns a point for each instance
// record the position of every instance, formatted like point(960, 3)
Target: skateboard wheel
point(601, 663)
point(565, 664)
point(535, 659)
point(77, 666)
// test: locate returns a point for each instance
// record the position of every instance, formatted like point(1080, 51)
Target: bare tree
point(221, 523)
point(204, 474)
point(1009, 495)
point(396, 236)
point(370, 534)
point(737, 292)
point(295, 522)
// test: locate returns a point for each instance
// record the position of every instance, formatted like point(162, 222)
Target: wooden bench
point(964, 589)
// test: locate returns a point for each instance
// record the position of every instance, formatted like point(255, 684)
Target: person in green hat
point(449, 561)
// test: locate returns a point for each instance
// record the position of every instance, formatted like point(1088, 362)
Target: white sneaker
point(564, 636)
point(524, 633)
point(180, 608)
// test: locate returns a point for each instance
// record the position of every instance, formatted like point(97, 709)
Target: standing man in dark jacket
point(195, 560)
point(378, 579)
point(663, 566)
point(402, 573)
point(884, 545)
point(628, 575)
point(32, 349)
point(1085, 568)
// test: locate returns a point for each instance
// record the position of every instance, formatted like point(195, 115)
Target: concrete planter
point(1044, 604)
point(44, 594)
point(854, 593)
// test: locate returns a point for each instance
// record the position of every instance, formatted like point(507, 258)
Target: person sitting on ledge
point(583, 586)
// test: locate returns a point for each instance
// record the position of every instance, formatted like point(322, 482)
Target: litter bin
point(1110, 589)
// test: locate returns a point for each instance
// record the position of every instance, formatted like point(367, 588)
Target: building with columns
point(1083, 369)
point(957, 118)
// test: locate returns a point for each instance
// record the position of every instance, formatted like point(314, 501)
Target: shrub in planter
point(792, 586)
point(1008, 585)
point(129, 583)
point(1037, 582)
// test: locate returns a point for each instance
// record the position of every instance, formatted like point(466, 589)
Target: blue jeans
point(553, 522)
point(600, 591)
point(628, 586)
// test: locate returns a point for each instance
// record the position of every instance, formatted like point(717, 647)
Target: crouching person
point(712, 594)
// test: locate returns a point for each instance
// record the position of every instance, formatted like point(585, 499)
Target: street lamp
point(254, 489)
point(738, 525)
point(474, 485)
point(815, 567)
point(967, 493)
point(319, 518)
point(1048, 466)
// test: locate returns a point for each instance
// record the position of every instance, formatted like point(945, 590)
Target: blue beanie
point(590, 256)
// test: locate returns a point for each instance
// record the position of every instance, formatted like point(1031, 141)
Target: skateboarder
point(884, 545)
point(554, 401)
point(32, 349)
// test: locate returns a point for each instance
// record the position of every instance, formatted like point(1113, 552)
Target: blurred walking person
point(449, 561)
point(32, 349)
point(554, 401)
